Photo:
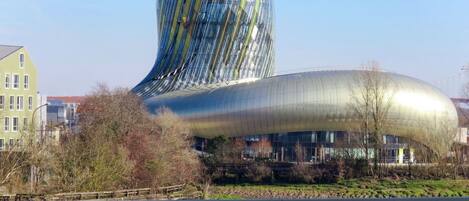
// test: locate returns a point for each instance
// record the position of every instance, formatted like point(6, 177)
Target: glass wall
point(321, 146)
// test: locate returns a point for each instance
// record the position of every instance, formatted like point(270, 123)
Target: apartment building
point(18, 94)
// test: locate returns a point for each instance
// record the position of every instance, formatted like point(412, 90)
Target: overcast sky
point(77, 43)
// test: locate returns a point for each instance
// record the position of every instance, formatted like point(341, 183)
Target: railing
point(176, 192)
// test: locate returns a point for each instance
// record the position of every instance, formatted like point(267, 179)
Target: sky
point(76, 44)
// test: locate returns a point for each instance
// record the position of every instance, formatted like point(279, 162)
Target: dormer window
point(21, 60)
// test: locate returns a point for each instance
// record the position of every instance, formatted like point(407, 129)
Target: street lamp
point(465, 72)
point(33, 121)
point(35, 110)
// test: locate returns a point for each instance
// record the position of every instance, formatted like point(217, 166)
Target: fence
point(176, 192)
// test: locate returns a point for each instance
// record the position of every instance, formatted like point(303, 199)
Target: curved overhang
point(311, 101)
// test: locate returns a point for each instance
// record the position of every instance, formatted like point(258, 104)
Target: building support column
point(400, 156)
point(411, 153)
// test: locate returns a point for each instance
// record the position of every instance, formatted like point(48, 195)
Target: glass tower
point(210, 41)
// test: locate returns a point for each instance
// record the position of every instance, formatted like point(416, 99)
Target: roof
point(6, 50)
point(66, 99)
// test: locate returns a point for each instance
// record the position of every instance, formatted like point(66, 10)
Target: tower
point(210, 41)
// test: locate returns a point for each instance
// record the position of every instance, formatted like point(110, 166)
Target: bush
point(119, 145)
point(258, 173)
point(304, 174)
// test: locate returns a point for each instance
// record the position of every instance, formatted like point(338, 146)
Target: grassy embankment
point(345, 189)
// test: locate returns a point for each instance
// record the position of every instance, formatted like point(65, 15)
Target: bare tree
point(263, 147)
point(92, 163)
point(176, 161)
point(13, 160)
point(24, 161)
point(95, 158)
point(227, 150)
point(347, 148)
point(372, 95)
point(299, 152)
point(119, 145)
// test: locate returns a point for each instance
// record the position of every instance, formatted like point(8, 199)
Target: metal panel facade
point(311, 101)
point(214, 68)
point(210, 41)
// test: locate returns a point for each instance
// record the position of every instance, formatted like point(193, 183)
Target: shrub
point(258, 173)
point(302, 173)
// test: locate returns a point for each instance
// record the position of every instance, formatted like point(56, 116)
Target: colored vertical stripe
point(235, 31)
point(210, 41)
point(248, 39)
point(219, 43)
point(181, 32)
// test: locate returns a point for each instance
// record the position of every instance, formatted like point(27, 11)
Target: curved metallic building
point(312, 101)
point(210, 41)
point(214, 69)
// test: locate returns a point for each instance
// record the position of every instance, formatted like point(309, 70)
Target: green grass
point(224, 197)
point(347, 189)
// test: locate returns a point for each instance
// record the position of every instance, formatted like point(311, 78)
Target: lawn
point(345, 189)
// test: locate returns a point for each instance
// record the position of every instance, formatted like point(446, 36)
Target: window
point(26, 82)
point(12, 142)
point(7, 81)
point(1, 144)
point(30, 103)
point(314, 137)
point(19, 103)
point(15, 124)
point(2, 102)
point(16, 81)
point(7, 124)
point(12, 102)
point(21, 60)
point(330, 137)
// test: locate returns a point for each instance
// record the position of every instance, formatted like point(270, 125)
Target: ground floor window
point(320, 146)
point(30, 103)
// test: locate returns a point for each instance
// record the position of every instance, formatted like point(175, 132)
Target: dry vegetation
point(372, 98)
point(118, 145)
point(371, 105)
point(372, 94)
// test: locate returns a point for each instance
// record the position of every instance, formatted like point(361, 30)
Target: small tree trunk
point(206, 191)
